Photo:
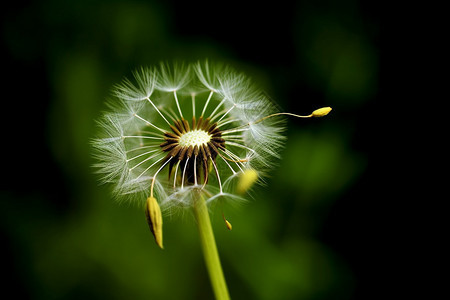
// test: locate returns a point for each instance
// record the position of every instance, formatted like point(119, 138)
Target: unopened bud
point(228, 224)
point(246, 181)
point(154, 219)
point(321, 112)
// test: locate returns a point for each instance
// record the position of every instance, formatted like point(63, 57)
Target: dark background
point(311, 233)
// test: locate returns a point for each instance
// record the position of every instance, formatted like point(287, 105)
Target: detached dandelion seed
point(187, 136)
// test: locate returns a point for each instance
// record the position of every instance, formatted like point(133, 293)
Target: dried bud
point(154, 219)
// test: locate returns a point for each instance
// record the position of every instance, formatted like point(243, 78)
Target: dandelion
point(185, 137)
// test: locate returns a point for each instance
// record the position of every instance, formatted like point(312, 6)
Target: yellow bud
point(154, 219)
point(321, 112)
point(246, 180)
point(228, 225)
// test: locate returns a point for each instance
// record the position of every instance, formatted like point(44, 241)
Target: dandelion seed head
point(176, 130)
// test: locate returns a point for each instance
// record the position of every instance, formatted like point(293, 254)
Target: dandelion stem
point(145, 160)
point(223, 158)
point(195, 170)
point(233, 158)
point(178, 104)
point(213, 116)
point(148, 167)
point(154, 106)
point(237, 129)
point(207, 102)
point(239, 146)
point(320, 112)
point(184, 172)
point(279, 114)
point(140, 148)
point(227, 113)
point(210, 249)
point(317, 113)
point(148, 123)
point(217, 174)
point(142, 137)
point(154, 176)
point(145, 153)
point(193, 104)
point(175, 176)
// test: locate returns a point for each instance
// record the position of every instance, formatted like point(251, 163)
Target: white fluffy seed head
point(148, 111)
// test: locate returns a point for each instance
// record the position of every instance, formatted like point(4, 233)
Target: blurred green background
point(306, 235)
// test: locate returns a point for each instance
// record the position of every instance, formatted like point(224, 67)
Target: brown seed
point(199, 122)
point(182, 153)
point(190, 150)
point(168, 147)
point(174, 129)
point(171, 135)
point(175, 150)
point(186, 125)
point(179, 126)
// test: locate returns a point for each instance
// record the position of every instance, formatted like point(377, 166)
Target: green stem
point(210, 249)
